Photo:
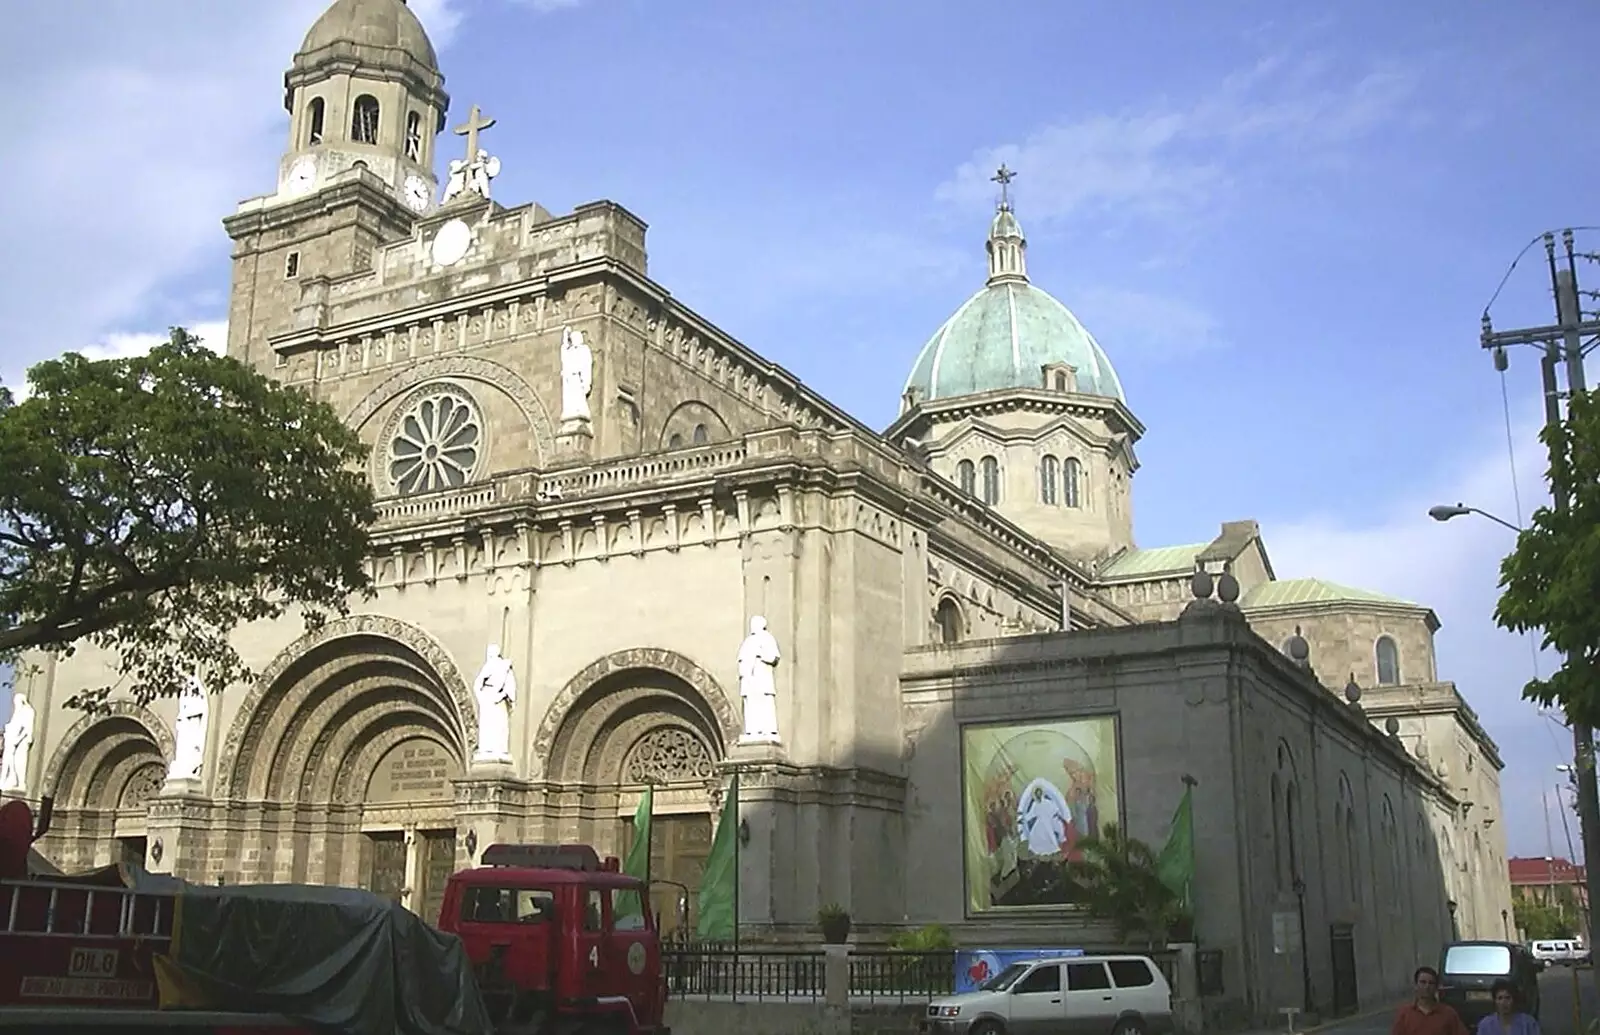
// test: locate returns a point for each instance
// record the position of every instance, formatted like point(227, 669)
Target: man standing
point(1425, 1015)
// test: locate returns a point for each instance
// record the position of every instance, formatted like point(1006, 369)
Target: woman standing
point(1507, 1019)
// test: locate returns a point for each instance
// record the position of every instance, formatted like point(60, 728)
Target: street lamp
point(1445, 511)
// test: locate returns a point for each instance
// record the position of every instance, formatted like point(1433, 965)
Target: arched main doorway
point(645, 719)
point(346, 761)
point(108, 768)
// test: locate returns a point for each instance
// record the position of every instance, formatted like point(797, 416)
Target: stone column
point(178, 832)
point(490, 806)
point(766, 817)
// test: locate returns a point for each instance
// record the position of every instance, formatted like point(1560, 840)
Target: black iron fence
point(716, 972)
point(721, 972)
point(711, 971)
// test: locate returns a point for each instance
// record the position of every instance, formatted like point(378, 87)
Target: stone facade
point(616, 562)
point(1291, 783)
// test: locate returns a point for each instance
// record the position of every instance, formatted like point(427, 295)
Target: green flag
point(719, 885)
point(1175, 864)
point(629, 903)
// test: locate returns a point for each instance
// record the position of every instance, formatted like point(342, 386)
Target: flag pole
point(738, 860)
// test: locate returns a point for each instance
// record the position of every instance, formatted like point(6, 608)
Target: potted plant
point(834, 921)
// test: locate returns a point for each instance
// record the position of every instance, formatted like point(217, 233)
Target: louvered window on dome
point(364, 122)
point(1072, 482)
point(314, 114)
point(1388, 658)
point(991, 480)
point(967, 477)
point(1049, 480)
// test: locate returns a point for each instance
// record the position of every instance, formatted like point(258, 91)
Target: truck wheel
point(985, 1028)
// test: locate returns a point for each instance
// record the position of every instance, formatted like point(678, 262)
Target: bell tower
point(366, 102)
point(364, 91)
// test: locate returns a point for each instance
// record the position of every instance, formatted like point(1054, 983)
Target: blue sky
point(1283, 227)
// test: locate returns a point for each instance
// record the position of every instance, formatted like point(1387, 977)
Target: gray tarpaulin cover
point(340, 958)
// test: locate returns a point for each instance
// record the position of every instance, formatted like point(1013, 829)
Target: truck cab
point(554, 931)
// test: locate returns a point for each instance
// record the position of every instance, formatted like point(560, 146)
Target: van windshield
point(1005, 979)
point(1477, 959)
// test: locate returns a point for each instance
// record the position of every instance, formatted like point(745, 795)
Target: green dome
point(1007, 333)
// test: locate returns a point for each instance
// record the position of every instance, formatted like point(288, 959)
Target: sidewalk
point(1359, 1019)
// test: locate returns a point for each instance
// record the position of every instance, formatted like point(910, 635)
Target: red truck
point(539, 940)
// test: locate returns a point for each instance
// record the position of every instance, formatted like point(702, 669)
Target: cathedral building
point(588, 493)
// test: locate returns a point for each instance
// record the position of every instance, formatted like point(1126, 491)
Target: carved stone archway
point(470, 368)
point(290, 717)
point(71, 770)
point(606, 710)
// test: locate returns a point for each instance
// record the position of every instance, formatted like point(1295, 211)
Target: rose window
point(667, 755)
point(435, 445)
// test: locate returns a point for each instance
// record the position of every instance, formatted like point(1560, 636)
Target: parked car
point(1468, 971)
point(1120, 995)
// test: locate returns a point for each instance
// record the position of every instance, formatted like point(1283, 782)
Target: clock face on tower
point(415, 193)
point(302, 175)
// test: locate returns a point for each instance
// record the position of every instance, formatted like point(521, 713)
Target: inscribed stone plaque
point(413, 771)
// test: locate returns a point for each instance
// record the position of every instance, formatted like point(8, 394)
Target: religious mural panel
point(1031, 793)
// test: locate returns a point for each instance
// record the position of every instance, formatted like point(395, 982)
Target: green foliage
point(833, 914)
point(1118, 879)
point(150, 505)
point(1551, 581)
point(930, 938)
point(1538, 921)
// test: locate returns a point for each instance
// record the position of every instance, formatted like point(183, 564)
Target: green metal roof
point(1163, 560)
point(1289, 592)
point(1006, 334)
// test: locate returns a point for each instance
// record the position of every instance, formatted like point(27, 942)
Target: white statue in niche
point(496, 690)
point(758, 665)
point(577, 376)
point(18, 741)
point(189, 748)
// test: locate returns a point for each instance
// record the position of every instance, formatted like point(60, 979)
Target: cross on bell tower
point(476, 123)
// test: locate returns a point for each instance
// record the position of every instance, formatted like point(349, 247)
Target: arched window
point(1071, 482)
point(314, 114)
point(364, 121)
point(699, 435)
point(414, 136)
point(1388, 661)
point(948, 618)
point(991, 480)
point(675, 442)
point(1049, 478)
point(1277, 833)
point(1344, 814)
point(967, 477)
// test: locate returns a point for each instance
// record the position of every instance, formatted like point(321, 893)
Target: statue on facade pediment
point(496, 691)
point(18, 743)
point(189, 748)
point(577, 376)
point(758, 666)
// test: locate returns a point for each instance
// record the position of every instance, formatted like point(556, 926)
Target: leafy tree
point(1551, 581)
point(1538, 921)
point(150, 505)
point(1117, 879)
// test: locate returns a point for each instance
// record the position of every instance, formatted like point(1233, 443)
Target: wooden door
point(438, 863)
point(679, 845)
point(385, 869)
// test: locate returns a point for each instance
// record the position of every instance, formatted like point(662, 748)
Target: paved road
point(1555, 1015)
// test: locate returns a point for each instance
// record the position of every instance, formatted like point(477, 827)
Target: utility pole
point(1563, 341)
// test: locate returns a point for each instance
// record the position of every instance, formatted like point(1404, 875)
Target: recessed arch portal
point(319, 710)
point(115, 759)
point(605, 712)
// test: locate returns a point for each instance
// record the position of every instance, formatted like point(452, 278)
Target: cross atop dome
point(1003, 176)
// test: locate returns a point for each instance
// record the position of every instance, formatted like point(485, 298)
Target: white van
point(1558, 950)
point(1120, 995)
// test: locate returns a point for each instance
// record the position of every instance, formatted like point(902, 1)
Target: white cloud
point(1395, 547)
point(1152, 325)
point(1172, 159)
